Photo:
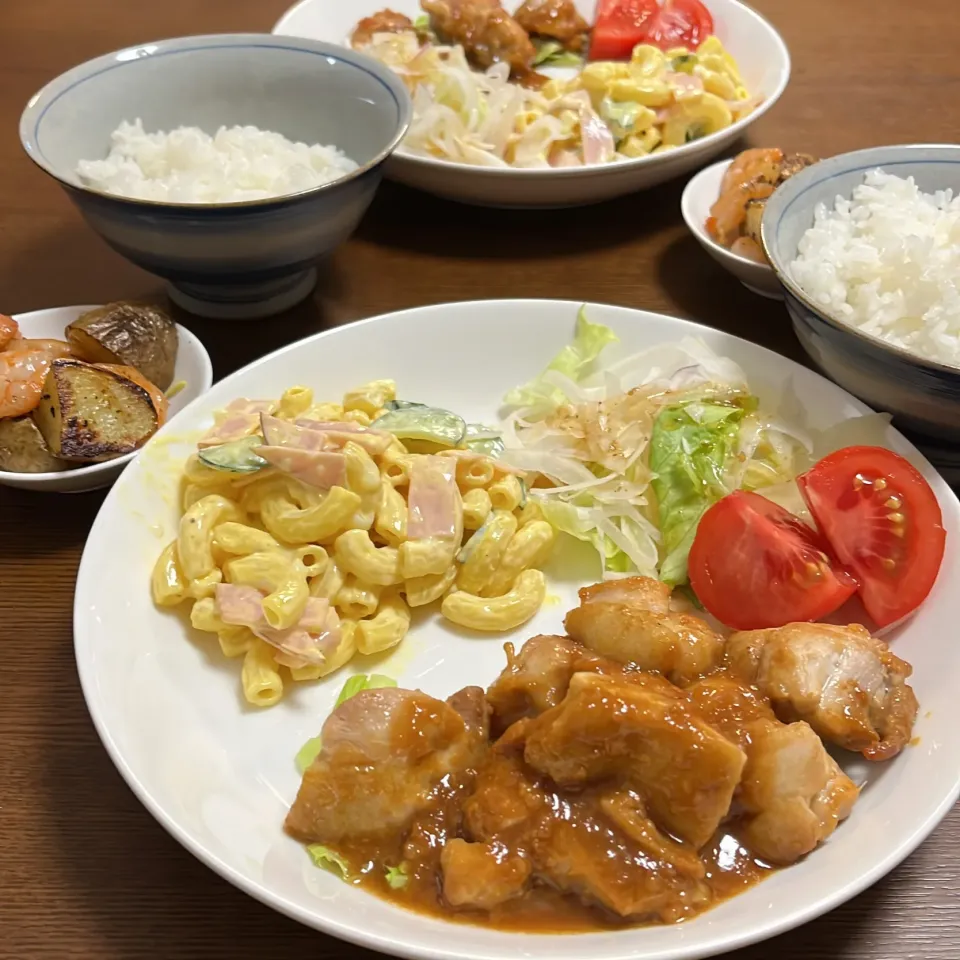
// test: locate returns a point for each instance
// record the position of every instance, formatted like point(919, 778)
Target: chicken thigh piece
point(606, 727)
point(792, 793)
point(383, 753)
point(555, 19)
point(630, 621)
point(487, 33)
point(842, 681)
point(595, 843)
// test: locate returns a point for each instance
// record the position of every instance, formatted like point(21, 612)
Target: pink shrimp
point(22, 373)
point(9, 331)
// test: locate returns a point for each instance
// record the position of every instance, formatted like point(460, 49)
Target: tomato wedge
point(679, 23)
point(755, 565)
point(884, 524)
point(620, 26)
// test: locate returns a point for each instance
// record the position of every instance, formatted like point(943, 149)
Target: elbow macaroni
point(295, 544)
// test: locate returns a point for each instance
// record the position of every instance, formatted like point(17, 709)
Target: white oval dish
point(760, 51)
point(193, 368)
point(699, 195)
point(219, 776)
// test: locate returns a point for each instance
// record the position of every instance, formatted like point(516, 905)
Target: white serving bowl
point(698, 197)
point(758, 48)
point(193, 368)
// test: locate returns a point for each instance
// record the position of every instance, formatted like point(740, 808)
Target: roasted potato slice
point(91, 412)
point(753, 219)
point(23, 449)
point(131, 334)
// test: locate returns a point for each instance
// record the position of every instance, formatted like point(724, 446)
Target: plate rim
point(354, 934)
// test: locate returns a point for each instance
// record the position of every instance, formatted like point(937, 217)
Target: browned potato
point(132, 334)
point(23, 450)
point(753, 219)
point(89, 412)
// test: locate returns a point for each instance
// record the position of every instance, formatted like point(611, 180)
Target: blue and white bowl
point(242, 259)
point(922, 394)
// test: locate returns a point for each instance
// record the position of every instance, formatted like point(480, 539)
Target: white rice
point(888, 262)
point(187, 165)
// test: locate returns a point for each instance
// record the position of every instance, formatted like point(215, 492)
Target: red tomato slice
point(679, 23)
point(620, 26)
point(883, 522)
point(754, 565)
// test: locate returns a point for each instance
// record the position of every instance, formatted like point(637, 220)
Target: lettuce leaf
point(397, 877)
point(328, 859)
point(550, 53)
point(311, 749)
point(573, 361)
point(689, 449)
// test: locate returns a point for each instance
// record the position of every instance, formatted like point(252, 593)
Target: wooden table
point(84, 870)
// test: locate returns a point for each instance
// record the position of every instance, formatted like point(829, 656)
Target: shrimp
point(729, 213)
point(55, 349)
point(760, 163)
point(22, 373)
point(9, 331)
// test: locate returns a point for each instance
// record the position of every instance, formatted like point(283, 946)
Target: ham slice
point(375, 442)
point(317, 468)
point(310, 641)
point(282, 433)
point(434, 503)
point(240, 419)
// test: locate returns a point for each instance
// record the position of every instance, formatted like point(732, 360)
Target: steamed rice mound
point(887, 261)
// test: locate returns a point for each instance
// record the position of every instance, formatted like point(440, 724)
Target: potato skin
point(90, 412)
point(130, 334)
point(23, 449)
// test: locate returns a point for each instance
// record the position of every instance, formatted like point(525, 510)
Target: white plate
point(758, 48)
point(193, 368)
point(699, 196)
point(219, 776)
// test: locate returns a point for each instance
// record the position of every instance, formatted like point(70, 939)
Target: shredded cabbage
point(635, 450)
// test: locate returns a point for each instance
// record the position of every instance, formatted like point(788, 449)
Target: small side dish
point(735, 217)
point(187, 165)
point(310, 530)
point(646, 79)
point(95, 396)
point(639, 770)
point(886, 261)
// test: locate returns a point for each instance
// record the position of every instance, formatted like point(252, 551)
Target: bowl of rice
point(867, 248)
point(225, 164)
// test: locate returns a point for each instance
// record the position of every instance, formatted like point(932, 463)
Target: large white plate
point(758, 48)
point(219, 776)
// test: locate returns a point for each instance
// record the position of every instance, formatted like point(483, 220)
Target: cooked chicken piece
point(793, 163)
point(482, 875)
point(582, 842)
point(486, 31)
point(555, 19)
point(845, 683)
point(627, 810)
point(471, 704)
point(794, 789)
point(792, 792)
point(537, 677)
point(385, 21)
point(631, 623)
point(384, 751)
point(606, 727)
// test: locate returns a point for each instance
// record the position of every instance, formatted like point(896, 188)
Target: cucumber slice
point(402, 404)
point(423, 423)
point(483, 439)
point(237, 456)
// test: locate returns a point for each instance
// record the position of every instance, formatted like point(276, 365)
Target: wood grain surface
point(84, 870)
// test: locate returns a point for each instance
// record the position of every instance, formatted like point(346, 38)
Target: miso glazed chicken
point(639, 770)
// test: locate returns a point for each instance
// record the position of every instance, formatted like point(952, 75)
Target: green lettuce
point(689, 449)
point(573, 361)
point(550, 53)
point(328, 859)
point(311, 749)
point(397, 877)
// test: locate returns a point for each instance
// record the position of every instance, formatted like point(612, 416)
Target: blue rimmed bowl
point(243, 259)
point(922, 394)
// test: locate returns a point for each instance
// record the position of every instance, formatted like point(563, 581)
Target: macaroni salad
point(310, 530)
